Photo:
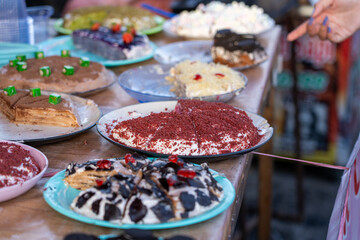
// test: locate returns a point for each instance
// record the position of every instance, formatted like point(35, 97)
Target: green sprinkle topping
point(45, 71)
point(54, 98)
point(10, 90)
point(65, 53)
point(21, 66)
point(84, 62)
point(35, 92)
point(68, 70)
point(21, 58)
point(12, 63)
point(39, 55)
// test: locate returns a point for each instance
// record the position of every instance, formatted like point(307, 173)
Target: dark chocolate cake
point(236, 50)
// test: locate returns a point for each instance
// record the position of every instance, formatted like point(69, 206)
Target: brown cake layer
point(25, 109)
point(83, 79)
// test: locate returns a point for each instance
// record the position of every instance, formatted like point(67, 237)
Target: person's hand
point(334, 20)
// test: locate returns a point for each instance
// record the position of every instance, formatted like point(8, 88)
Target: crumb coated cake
point(236, 50)
point(194, 128)
point(16, 165)
point(83, 78)
point(24, 108)
point(198, 79)
point(167, 190)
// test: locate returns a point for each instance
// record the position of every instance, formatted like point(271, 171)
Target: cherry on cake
point(16, 165)
point(198, 79)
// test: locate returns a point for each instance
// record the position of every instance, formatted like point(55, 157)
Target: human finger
point(313, 29)
point(323, 31)
point(321, 6)
point(297, 32)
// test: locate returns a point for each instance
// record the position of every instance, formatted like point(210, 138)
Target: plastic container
point(40, 16)
point(15, 25)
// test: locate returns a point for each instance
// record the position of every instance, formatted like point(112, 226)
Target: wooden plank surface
point(29, 217)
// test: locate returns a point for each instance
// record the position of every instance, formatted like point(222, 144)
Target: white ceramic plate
point(88, 113)
point(7, 193)
point(148, 84)
point(108, 121)
point(196, 50)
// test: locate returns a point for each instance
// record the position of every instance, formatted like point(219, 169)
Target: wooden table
point(29, 217)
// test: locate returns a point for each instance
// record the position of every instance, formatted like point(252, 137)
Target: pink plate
point(7, 193)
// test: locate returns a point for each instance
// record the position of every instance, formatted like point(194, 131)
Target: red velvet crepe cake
point(193, 128)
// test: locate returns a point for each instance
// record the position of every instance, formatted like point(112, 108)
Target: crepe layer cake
point(83, 78)
point(25, 109)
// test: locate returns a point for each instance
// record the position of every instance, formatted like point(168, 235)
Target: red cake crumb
point(194, 128)
point(16, 164)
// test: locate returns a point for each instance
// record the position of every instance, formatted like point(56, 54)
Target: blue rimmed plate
point(55, 45)
point(59, 197)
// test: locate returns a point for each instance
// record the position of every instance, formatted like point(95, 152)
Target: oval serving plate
point(88, 114)
point(108, 121)
point(58, 26)
point(196, 50)
point(59, 197)
point(156, 88)
point(53, 46)
point(7, 193)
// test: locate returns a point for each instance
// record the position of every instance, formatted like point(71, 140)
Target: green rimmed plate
point(58, 26)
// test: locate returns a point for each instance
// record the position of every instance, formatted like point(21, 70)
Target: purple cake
point(112, 45)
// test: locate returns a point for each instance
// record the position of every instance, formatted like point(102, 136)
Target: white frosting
point(205, 20)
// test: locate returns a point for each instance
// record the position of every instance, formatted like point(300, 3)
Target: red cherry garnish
point(170, 181)
point(127, 38)
point(99, 182)
point(186, 173)
point(197, 77)
point(129, 158)
point(173, 158)
point(95, 26)
point(219, 75)
point(116, 27)
point(133, 31)
point(103, 164)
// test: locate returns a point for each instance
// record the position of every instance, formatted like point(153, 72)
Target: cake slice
point(236, 50)
point(197, 79)
point(23, 108)
point(93, 173)
point(112, 44)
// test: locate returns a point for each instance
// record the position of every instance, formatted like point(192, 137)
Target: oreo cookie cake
point(157, 191)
